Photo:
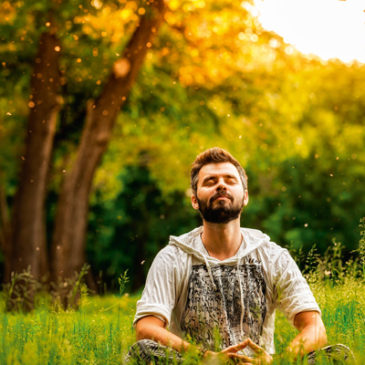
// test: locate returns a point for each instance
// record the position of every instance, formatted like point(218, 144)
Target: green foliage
point(334, 266)
point(361, 248)
point(122, 281)
point(19, 292)
point(309, 203)
point(101, 331)
point(126, 231)
point(67, 293)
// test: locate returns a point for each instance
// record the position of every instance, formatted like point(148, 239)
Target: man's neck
point(222, 240)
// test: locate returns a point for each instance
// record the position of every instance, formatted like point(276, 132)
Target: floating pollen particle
point(121, 67)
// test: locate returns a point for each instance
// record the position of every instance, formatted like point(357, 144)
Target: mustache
point(220, 194)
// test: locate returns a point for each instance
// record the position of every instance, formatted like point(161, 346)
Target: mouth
point(221, 198)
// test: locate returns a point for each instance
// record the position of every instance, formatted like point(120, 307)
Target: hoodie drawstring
point(209, 271)
point(241, 295)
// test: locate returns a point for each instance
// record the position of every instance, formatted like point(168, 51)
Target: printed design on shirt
point(213, 313)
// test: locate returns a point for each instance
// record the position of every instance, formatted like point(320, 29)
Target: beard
point(222, 211)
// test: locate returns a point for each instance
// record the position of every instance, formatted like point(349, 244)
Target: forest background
point(104, 106)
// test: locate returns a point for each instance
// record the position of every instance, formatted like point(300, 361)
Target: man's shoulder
point(169, 252)
point(177, 244)
point(187, 237)
point(254, 233)
point(263, 242)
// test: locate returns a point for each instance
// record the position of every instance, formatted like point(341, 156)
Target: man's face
point(220, 194)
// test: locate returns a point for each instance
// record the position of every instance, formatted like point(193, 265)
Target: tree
point(25, 244)
point(28, 240)
point(68, 246)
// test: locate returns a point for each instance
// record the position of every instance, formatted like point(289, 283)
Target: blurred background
point(105, 104)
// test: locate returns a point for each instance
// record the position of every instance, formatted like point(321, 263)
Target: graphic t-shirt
point(222, 307)
point(220, 303)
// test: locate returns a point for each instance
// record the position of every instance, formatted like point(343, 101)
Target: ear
point(245, 199)
point(194, 202)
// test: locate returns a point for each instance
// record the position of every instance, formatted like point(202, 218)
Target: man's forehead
point(219, 169)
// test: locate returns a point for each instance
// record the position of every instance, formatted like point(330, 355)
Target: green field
point(100, 332)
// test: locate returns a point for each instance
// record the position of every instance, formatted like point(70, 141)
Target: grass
point(343, 313)
point(100, 332)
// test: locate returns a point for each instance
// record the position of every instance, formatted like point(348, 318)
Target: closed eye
point(231, 180)
point(210, 181)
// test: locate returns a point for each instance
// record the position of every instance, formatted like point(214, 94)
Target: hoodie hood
point(192, 244)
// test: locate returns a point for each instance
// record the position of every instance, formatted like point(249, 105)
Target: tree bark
point(5, 234)
point(68, 244)
point(28, 220)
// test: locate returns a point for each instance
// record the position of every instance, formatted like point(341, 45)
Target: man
point(220, 284)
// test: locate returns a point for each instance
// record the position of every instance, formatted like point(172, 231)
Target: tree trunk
point(68, 245)
point(28, 221)
point(5, 234)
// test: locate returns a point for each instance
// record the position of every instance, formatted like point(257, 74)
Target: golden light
point(326, 28)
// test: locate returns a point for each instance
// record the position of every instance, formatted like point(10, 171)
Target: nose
point(221, 185)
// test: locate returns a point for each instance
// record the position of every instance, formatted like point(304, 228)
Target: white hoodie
point(220, 303)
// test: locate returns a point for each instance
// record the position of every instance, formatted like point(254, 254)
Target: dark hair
point(214, 155)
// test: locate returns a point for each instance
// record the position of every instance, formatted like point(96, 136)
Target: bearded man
point(215, 289)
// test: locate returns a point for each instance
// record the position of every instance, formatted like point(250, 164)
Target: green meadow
point(100, 332)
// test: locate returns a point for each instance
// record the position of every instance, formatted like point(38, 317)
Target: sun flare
point(326, 28)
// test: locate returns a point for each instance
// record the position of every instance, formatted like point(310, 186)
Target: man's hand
point(154, 328)
point(261, 356)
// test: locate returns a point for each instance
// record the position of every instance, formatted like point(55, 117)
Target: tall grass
point(100, 332)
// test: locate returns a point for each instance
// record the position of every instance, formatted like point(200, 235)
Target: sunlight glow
point(326, 28)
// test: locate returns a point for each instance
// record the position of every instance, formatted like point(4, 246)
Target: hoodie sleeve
point(159, 295)
point(293, 292)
